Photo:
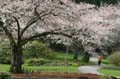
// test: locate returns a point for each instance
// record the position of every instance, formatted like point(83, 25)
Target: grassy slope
point(110, 72)
point(109, 69)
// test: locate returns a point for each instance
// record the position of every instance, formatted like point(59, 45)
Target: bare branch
point(34, 20)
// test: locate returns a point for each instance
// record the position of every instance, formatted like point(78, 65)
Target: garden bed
point(54, 75)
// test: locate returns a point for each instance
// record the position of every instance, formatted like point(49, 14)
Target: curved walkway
point(90, 69)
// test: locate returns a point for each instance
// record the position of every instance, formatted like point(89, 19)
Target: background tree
point(95, 28)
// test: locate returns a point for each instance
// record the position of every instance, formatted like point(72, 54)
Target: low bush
point(4, 75)
point(27, 70)
point(36, 62)
point(73, 64)
point(38, 50)
point(115, 58)
point(61, 63)
point(57, 63)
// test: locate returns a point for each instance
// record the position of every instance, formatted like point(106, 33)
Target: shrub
point(38, 50)
point(4, 75)
point(5, 53)
point(57, 63)
point(36, 62)
point(73, 64)
point(115, 58)
point(27, 70)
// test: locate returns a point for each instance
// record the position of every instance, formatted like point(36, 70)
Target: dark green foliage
point(5, 53)
point(57, 47)
point(36, 62)
point(86, 57)
point(38, 50)
point(57, 63)
point(75, 57)
point(4, 75)
point(83, 77)
point(33, 50)
point(98, 2)
point(27, 70)
point(1, 23)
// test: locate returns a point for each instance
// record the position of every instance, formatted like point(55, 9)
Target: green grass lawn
point(106, 61)
point(109, 69)
point(110, 72)
point(60, 56)
point(4, 67)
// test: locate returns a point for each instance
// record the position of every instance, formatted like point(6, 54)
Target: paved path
point(90, 69)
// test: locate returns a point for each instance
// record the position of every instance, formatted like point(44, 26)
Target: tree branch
point(38, 16)
point(34, 19)
point(45, 34)
point(7, 32)
point(18, 26)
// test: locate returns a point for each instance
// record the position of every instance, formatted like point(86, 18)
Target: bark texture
point(16, 60)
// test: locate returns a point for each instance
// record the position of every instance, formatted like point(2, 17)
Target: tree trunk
point(86, 57)
point(66, 54)
point(75, 57)
point(16, 60)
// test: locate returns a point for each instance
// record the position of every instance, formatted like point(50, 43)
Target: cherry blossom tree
point(23, 20)
point(96, 28)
